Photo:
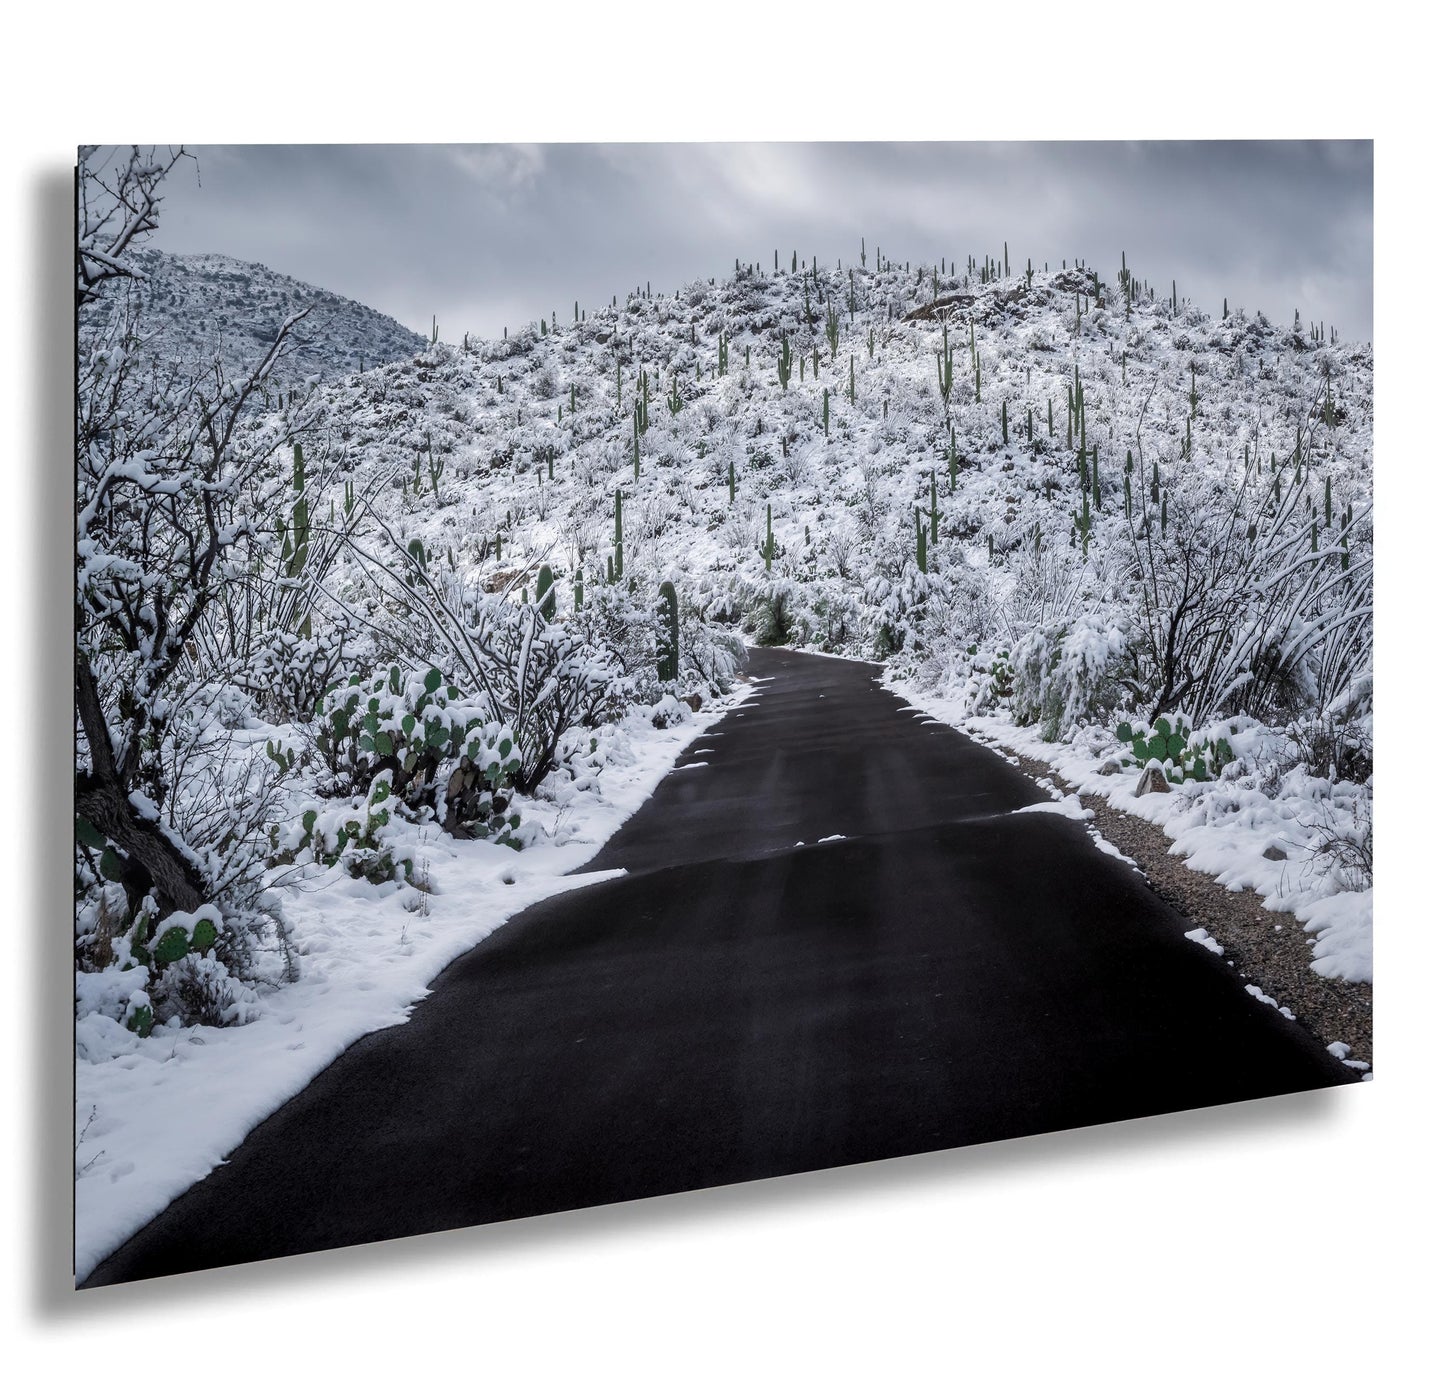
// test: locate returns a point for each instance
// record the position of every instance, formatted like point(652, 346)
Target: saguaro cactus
point(617, 536)
point(945, 369)
point(668, 652)
point(300, 516)
point(546, 592)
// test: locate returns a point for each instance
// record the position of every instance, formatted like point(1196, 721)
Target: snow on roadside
point(1221, 828)
point(154, 1115)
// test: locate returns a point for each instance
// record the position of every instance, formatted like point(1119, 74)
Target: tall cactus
point(300, 516)
point(769, 547)
point(785, 363)
point(546, 592)
point(669, 651)
point(732, 483)
point(825, 413)
point(617, 536)
point(945, 369)
point(831, 324)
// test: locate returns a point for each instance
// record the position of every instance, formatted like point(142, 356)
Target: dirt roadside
point(1269, 950)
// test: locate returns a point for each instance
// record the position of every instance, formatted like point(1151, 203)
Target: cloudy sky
point(487, 236)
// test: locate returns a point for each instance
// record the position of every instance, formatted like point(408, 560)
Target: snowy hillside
point(417, 636)
point(531, 437)
point(198, 303)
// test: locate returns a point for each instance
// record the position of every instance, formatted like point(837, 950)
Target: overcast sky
point(486, 236)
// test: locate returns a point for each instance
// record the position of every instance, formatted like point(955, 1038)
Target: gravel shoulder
point(1270, 950)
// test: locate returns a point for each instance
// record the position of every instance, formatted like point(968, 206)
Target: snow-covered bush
point(1067, 674)
point(896, 603)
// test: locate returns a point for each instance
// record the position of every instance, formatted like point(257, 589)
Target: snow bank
point(1244, 833)
point(155, 1115)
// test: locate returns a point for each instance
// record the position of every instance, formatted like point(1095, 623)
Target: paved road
point(741, 1005)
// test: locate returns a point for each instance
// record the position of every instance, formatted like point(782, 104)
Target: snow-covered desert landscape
point(381, 636)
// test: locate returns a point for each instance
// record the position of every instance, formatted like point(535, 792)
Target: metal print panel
point(603, 672)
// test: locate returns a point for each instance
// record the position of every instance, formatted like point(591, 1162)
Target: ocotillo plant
point(668, 651)
point(546, 592)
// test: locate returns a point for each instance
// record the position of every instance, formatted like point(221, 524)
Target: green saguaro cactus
point(617, 536)
point(945, 369)
point(546, 592)
point(300, 515)
point(669, 651)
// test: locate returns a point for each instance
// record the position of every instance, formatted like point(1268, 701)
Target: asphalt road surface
point(755, 998)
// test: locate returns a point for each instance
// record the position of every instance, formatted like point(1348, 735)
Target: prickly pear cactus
point(1169, 743)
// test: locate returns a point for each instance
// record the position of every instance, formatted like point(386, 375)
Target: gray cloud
point(483, 236)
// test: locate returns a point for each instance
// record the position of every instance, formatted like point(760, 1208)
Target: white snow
point(1220, 827)
point(154, 1115)
point(1198, 934)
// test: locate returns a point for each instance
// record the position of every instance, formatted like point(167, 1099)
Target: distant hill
point(199, 302)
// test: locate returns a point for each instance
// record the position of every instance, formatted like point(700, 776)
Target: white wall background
point(1289, 1245)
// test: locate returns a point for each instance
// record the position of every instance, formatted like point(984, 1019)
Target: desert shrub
point(1067, 674)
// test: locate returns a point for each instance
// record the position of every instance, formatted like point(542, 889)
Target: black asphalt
point(741, 1005)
